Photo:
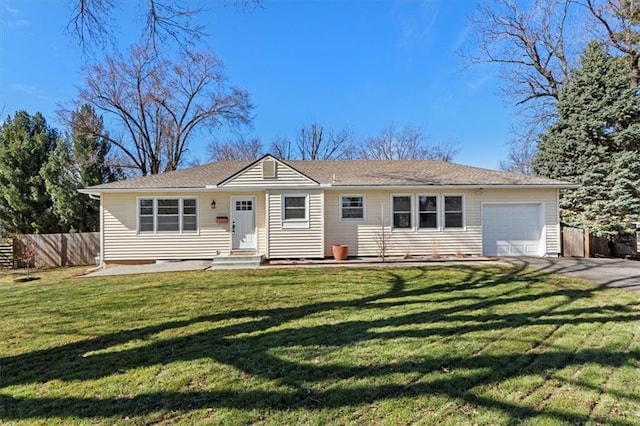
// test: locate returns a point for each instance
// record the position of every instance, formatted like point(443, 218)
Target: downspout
point(267, 209)
point(101, 254)
point(101, 265)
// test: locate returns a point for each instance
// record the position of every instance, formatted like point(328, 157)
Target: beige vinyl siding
point(285, 176)
point(121, 240)
point(299, 242)
point(361, 236)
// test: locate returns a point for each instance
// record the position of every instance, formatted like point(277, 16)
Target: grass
point(436, 345)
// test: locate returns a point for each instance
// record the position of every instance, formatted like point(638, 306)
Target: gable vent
point(268, 169)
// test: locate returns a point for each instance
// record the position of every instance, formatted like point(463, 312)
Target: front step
point(237, 261)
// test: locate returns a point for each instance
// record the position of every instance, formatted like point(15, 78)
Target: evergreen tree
point(596, 143)
point(25, 145)
point(75, 164)
point(91, 150)
point(61, 182)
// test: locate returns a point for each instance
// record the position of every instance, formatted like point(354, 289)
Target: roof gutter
point(98, 191)
point(461, 186)
point(210, 188)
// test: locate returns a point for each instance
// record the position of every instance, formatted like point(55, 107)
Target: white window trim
point(412, 226)
point(180, 230)
point(464, 213)
point(439, 218)
point(364, 208)
point(197, 230)
point(295, 223)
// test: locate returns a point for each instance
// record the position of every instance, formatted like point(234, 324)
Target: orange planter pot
point(340, 252)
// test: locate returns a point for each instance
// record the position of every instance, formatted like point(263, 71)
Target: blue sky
point(360, 64)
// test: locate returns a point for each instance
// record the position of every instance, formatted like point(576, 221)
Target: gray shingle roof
point(409, 173)
point(342, 173)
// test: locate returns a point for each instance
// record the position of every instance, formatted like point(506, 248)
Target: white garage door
point(512, 230)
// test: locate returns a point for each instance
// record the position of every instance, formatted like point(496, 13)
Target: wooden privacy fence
point(58, 249)
point(573, 242)
point(578, 243)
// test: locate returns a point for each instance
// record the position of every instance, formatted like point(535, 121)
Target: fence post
point(64, 250)
point(587, 243)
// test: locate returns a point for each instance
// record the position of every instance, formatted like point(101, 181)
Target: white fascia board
point(267, 188)
point(210, 188)
point(450, 187)
point(136, 190)
point(88, 192)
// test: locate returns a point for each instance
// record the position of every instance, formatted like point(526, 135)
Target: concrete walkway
point(186, 265)
point(619, 273)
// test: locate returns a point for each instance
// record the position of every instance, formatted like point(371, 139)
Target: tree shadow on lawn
point(249, 346)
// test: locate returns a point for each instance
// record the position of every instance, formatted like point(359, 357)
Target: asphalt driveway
point(607, 272)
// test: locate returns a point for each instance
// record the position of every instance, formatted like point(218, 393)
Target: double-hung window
point(428, 212)
point(295, 211)
point(146, 216)
point(401, 206)
point(352, 208)
point(189, 215)
point(295, 207)
point(167, 215)
point(453, 211)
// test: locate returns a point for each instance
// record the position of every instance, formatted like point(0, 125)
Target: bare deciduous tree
point(164, 20)
point(538, 44)
point(519, 160)
point(282, 148)
point(235, 150)
point(620, 24)
point(159, 104)
point(444, 151)
point(529, 44)
point(536, 47)
point(405, 143)
point(314, 142)
point(382, 235)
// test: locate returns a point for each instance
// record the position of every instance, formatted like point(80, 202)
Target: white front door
point(243, 223)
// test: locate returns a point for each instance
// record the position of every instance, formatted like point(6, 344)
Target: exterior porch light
point(213, 204)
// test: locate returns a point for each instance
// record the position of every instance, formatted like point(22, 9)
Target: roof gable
point(268, 171)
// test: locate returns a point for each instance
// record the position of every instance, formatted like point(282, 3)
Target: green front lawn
point(435, 345)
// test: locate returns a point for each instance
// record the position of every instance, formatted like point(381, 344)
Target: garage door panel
point(512, 230)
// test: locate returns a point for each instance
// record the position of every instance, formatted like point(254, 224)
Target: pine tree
point(90, 149)
point(596, 143)
point(61, 181)
point(76, 163)
point(25, 145)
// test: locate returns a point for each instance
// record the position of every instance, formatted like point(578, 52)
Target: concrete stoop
point(237, 261)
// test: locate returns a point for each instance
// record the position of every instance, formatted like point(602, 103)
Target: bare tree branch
point(529, 44)
point(620, 22)
point(164, 21)
point(90, 22)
